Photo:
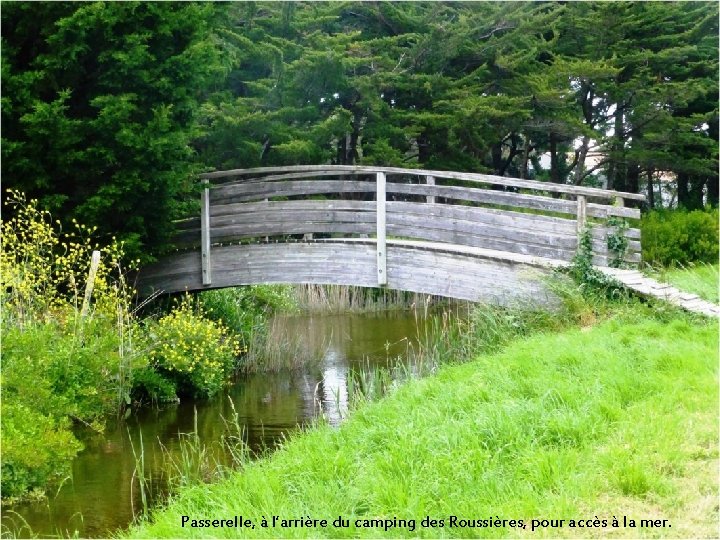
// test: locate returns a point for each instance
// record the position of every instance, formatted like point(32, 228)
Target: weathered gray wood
point(581, 214)
point(90, 284)
point(470, 177)
point(381, 236)
point(487, 196)
point(226, 195)
point(242, 211)
point(408, 269)
point(259, 190)
point(604, 211)
point(205, 234)
point(298, 175)
point(295, 205)
point(534, 202)
point(464, 239)
point(430, 181)
point(479, 229)
point(291, 217)
point(231, 233)
point(481, 215)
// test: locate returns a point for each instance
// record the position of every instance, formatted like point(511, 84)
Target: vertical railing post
point(581, 214)
point(581, 218)
point(381, 234)
point(430, 181)
point(205, 233)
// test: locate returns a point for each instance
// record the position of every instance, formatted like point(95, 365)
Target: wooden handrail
point(326, 170)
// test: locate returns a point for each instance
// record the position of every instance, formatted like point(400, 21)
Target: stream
point(102, 495)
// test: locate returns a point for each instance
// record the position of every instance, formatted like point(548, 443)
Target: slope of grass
point(612, 421)
point(701, 279)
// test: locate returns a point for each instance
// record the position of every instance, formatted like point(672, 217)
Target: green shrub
point(54, 371)
point(58, 366)
point(241, 308)
point(195, 352)
point(680, 237)
point(149, 385)
point(36, 449)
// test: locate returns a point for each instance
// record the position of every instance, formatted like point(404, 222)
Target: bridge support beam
point(205, 233)
point(381, 234)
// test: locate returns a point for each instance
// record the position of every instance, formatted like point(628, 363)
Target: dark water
point(98, 499)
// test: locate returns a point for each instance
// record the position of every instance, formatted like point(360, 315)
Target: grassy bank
point(614, 420)
point(701, 279)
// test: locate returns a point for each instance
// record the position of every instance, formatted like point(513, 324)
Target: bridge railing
point(511, 215)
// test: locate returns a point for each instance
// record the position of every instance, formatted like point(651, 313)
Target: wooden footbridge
point(461, 235)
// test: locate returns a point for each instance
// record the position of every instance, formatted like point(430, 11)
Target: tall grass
point(272, 348)
point(698, 278)
point(196, 462)
point(344, 299)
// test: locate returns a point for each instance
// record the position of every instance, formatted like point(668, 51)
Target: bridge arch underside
point(411, 266)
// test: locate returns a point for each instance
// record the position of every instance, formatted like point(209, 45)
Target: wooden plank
point(446, 274)
point(475, 252)
point(232, 233)
point(464, 239)
point(494, 230)
point(260, 190)
point(520, 200)
point(291, 217)
point(490, 216)
point(381, 231)
point(605, 211)
point(326, 204)
point(488, 196)
point(205, 234)
point(470, 177)
point(296, 176)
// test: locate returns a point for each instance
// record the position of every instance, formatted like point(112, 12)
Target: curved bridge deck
point(461, 235)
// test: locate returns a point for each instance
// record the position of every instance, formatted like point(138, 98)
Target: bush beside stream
point(62, 368)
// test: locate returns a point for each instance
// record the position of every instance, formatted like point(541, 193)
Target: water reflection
point(99, 498)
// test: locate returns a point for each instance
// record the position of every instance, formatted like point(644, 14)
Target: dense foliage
point(98, 109)
point(680, 237)
point(196, 353)
point(64, 366)
point(109, 107)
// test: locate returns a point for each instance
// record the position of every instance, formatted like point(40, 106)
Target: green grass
point(701, 279)
point(617, 419)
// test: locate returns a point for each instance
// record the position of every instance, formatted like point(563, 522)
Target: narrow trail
point(635, 280)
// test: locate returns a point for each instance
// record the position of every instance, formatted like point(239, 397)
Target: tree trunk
point(554, 165)
point(617, 180)
point(712, 190)
point(696, 195)
point(525, 156)
point(650, 189)
point(580, 166)
point(497, 161)
point(682, 190)
point(632, 180)
point(353, 155)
